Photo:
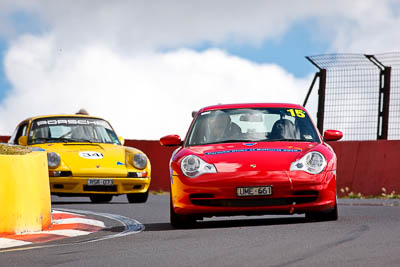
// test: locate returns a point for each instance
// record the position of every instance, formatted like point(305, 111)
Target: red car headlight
point(193, 166)
point(312, 162)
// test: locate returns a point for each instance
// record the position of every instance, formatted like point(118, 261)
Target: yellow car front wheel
point(138, 197)
point(100, 198)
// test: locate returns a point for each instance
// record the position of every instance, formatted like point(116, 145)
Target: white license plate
point(254, 191)
point(100, 181)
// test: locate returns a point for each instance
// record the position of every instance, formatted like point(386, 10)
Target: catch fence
point(358, 94)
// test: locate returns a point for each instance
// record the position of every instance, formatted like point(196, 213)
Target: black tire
point(100, 198)
point(180, 221)
point(331, 215)
point(137, 197)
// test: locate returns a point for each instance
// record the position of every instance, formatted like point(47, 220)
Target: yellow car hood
point(103, 160)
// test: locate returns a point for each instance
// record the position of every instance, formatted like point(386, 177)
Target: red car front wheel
point(178, 220)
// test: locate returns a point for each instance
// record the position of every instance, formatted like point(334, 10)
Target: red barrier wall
point(368, 166)
point(159, 158)
point(363, 166)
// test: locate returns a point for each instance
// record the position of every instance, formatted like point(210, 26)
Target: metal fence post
point(310, 89)
point(384, 108)
point(321, 100)
point(360, 98)
point(384, 98)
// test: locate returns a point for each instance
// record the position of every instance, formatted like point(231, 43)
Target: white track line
point(69, 233)
point(63, 212)
point(80, 220)
point(131, 226)
point(8, 243)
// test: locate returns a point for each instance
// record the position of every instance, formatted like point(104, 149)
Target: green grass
point(159, 192)
point(6, 149)
point(347, 193)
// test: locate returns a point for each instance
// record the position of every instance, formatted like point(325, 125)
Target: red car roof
point(252, 105)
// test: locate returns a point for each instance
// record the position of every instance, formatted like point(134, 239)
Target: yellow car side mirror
point(23, 140)
point(121, 139)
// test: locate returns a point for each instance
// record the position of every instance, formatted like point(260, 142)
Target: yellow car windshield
point(71, 129)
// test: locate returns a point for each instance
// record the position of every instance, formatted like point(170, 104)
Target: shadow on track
point(154, 227)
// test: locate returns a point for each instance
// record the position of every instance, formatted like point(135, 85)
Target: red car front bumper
point(216, 194)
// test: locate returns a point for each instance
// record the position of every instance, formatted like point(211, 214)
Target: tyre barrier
point(24, 193)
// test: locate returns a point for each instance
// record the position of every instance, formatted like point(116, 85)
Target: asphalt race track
point(366, 234)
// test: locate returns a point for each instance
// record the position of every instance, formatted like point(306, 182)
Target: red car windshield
point(252, 125)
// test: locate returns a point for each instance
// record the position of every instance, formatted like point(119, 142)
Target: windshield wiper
point(38, 139)
point(61, 139)
point(49, 139)
point(83, 140)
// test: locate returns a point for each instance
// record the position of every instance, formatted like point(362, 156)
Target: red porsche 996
point(252, 159)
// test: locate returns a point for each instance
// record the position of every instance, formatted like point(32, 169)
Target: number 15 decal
point(297, 113)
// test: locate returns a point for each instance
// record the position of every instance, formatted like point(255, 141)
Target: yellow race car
point(86, 157)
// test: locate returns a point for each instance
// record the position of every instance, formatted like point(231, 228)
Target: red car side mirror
point(171, 140)
point(332, 135)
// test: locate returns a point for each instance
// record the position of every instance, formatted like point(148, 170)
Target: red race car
point(252, 159)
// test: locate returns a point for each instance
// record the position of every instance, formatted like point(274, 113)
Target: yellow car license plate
point(100, 181)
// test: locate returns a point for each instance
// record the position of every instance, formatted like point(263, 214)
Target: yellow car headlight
point(139, 161)
point(53, 159)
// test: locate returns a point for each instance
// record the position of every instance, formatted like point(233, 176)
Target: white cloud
point(145, 96)
point(365, 27)
point(132, 26)
point(104, 56)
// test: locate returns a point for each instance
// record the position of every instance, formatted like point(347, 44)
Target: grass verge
point(347, 193)
point(6, 149)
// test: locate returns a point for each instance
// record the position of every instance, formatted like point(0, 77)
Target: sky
point(146, 65)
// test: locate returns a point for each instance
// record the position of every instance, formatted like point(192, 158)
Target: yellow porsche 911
point(86, 157)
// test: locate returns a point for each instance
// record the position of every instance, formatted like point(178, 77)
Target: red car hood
point(262, 156)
